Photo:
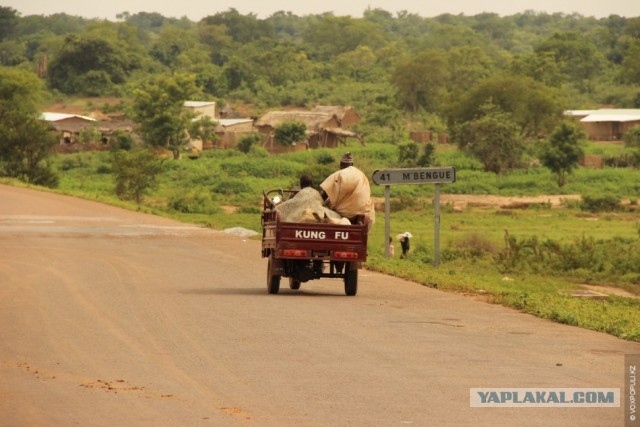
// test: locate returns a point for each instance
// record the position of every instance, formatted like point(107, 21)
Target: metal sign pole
point(387, 219)
point(437, 176)
point(436, 220)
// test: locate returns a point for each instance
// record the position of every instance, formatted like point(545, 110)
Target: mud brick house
point(68, 126)
point(325, 126)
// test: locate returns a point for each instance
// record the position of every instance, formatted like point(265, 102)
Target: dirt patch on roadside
point(462, 201)
point(611, 291)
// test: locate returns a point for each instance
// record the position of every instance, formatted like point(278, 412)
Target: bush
point(325, 159)
point(230, 187)
point(197, 202)
point(274, 168)
point(121, 141)
point(289, 133)
point(103, 170)
point(258, 152)
point(600, 204)
point(403, 202)
point(250, 210)
point(247, 142)
point(135, 173)
point(69, 163)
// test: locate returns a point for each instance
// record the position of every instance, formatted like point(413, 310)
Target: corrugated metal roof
point(579, 112)
point(231, 122)
point(55, 117)
point(613, 115)
point(195, 104)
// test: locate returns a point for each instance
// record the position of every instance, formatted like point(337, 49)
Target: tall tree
point(420, 81)
point(532, 105)
point(158, 109)
point(25, 140)
point(135, 172)
point(493, 137)
point(242, 28)
point(563, 151)
point(576, 56)
point(90, 65)
point(8, 21)
point(331, 35)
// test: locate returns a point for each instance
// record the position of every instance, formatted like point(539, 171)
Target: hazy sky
point(197, 9)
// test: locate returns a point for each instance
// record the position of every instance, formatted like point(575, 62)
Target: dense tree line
point(425, 64)
point(451, 73)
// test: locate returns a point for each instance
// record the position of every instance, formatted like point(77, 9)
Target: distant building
point(68, 125)
point(202, 108)
point(230, 131)
point(325, 126)
point(606, 124)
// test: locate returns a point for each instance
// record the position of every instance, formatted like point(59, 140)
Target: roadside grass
point(223, 189)
point(545, 296)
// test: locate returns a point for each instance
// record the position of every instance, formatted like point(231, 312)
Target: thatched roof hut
point(314, 121)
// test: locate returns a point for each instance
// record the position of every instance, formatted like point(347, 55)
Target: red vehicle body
point(309, 251)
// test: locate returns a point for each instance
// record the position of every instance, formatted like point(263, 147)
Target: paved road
point(114, 318)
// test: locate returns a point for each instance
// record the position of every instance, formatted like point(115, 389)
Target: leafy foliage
point(90, 65)
point(289, 133)
point(158, 108)
point(247, 141)
point(25, 140)
point(563, 151)
point(631, 138)
point(493, 138)
point(135, 173)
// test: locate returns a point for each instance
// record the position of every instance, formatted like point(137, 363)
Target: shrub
point(231, 186)
point(325, 159)
point(69, 163)
point(250, 210)
point(403, 201)
point(247, 142)
point(103, 170)
point(121, 141)
point(289, 133)
point(408, 154)
point(600, 203)
point(258, 152)
point(193, 202)
point(135, 173)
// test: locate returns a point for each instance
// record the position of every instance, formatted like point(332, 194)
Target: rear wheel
point(273, 280)
point(351, 282)
point(293, 283)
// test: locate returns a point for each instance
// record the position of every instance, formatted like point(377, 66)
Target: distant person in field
point(405, 239)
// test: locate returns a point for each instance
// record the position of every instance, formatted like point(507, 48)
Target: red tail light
point(346, 255)
point(296, 253)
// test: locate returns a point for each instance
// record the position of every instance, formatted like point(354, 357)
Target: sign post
point(437, 176)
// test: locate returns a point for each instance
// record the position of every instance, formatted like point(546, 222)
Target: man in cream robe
point(348, 191)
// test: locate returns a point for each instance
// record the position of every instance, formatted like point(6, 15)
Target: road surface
point(115, 318)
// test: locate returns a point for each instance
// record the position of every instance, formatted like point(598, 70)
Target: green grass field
point(530, 259)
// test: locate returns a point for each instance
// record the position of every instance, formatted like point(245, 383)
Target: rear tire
point(294, 284)
point(273, 280)
point(351, 282)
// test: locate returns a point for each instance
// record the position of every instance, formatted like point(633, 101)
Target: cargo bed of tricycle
point(310, 251)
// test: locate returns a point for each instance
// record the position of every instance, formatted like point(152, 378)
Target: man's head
point(346, 161)
point(305, 181)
